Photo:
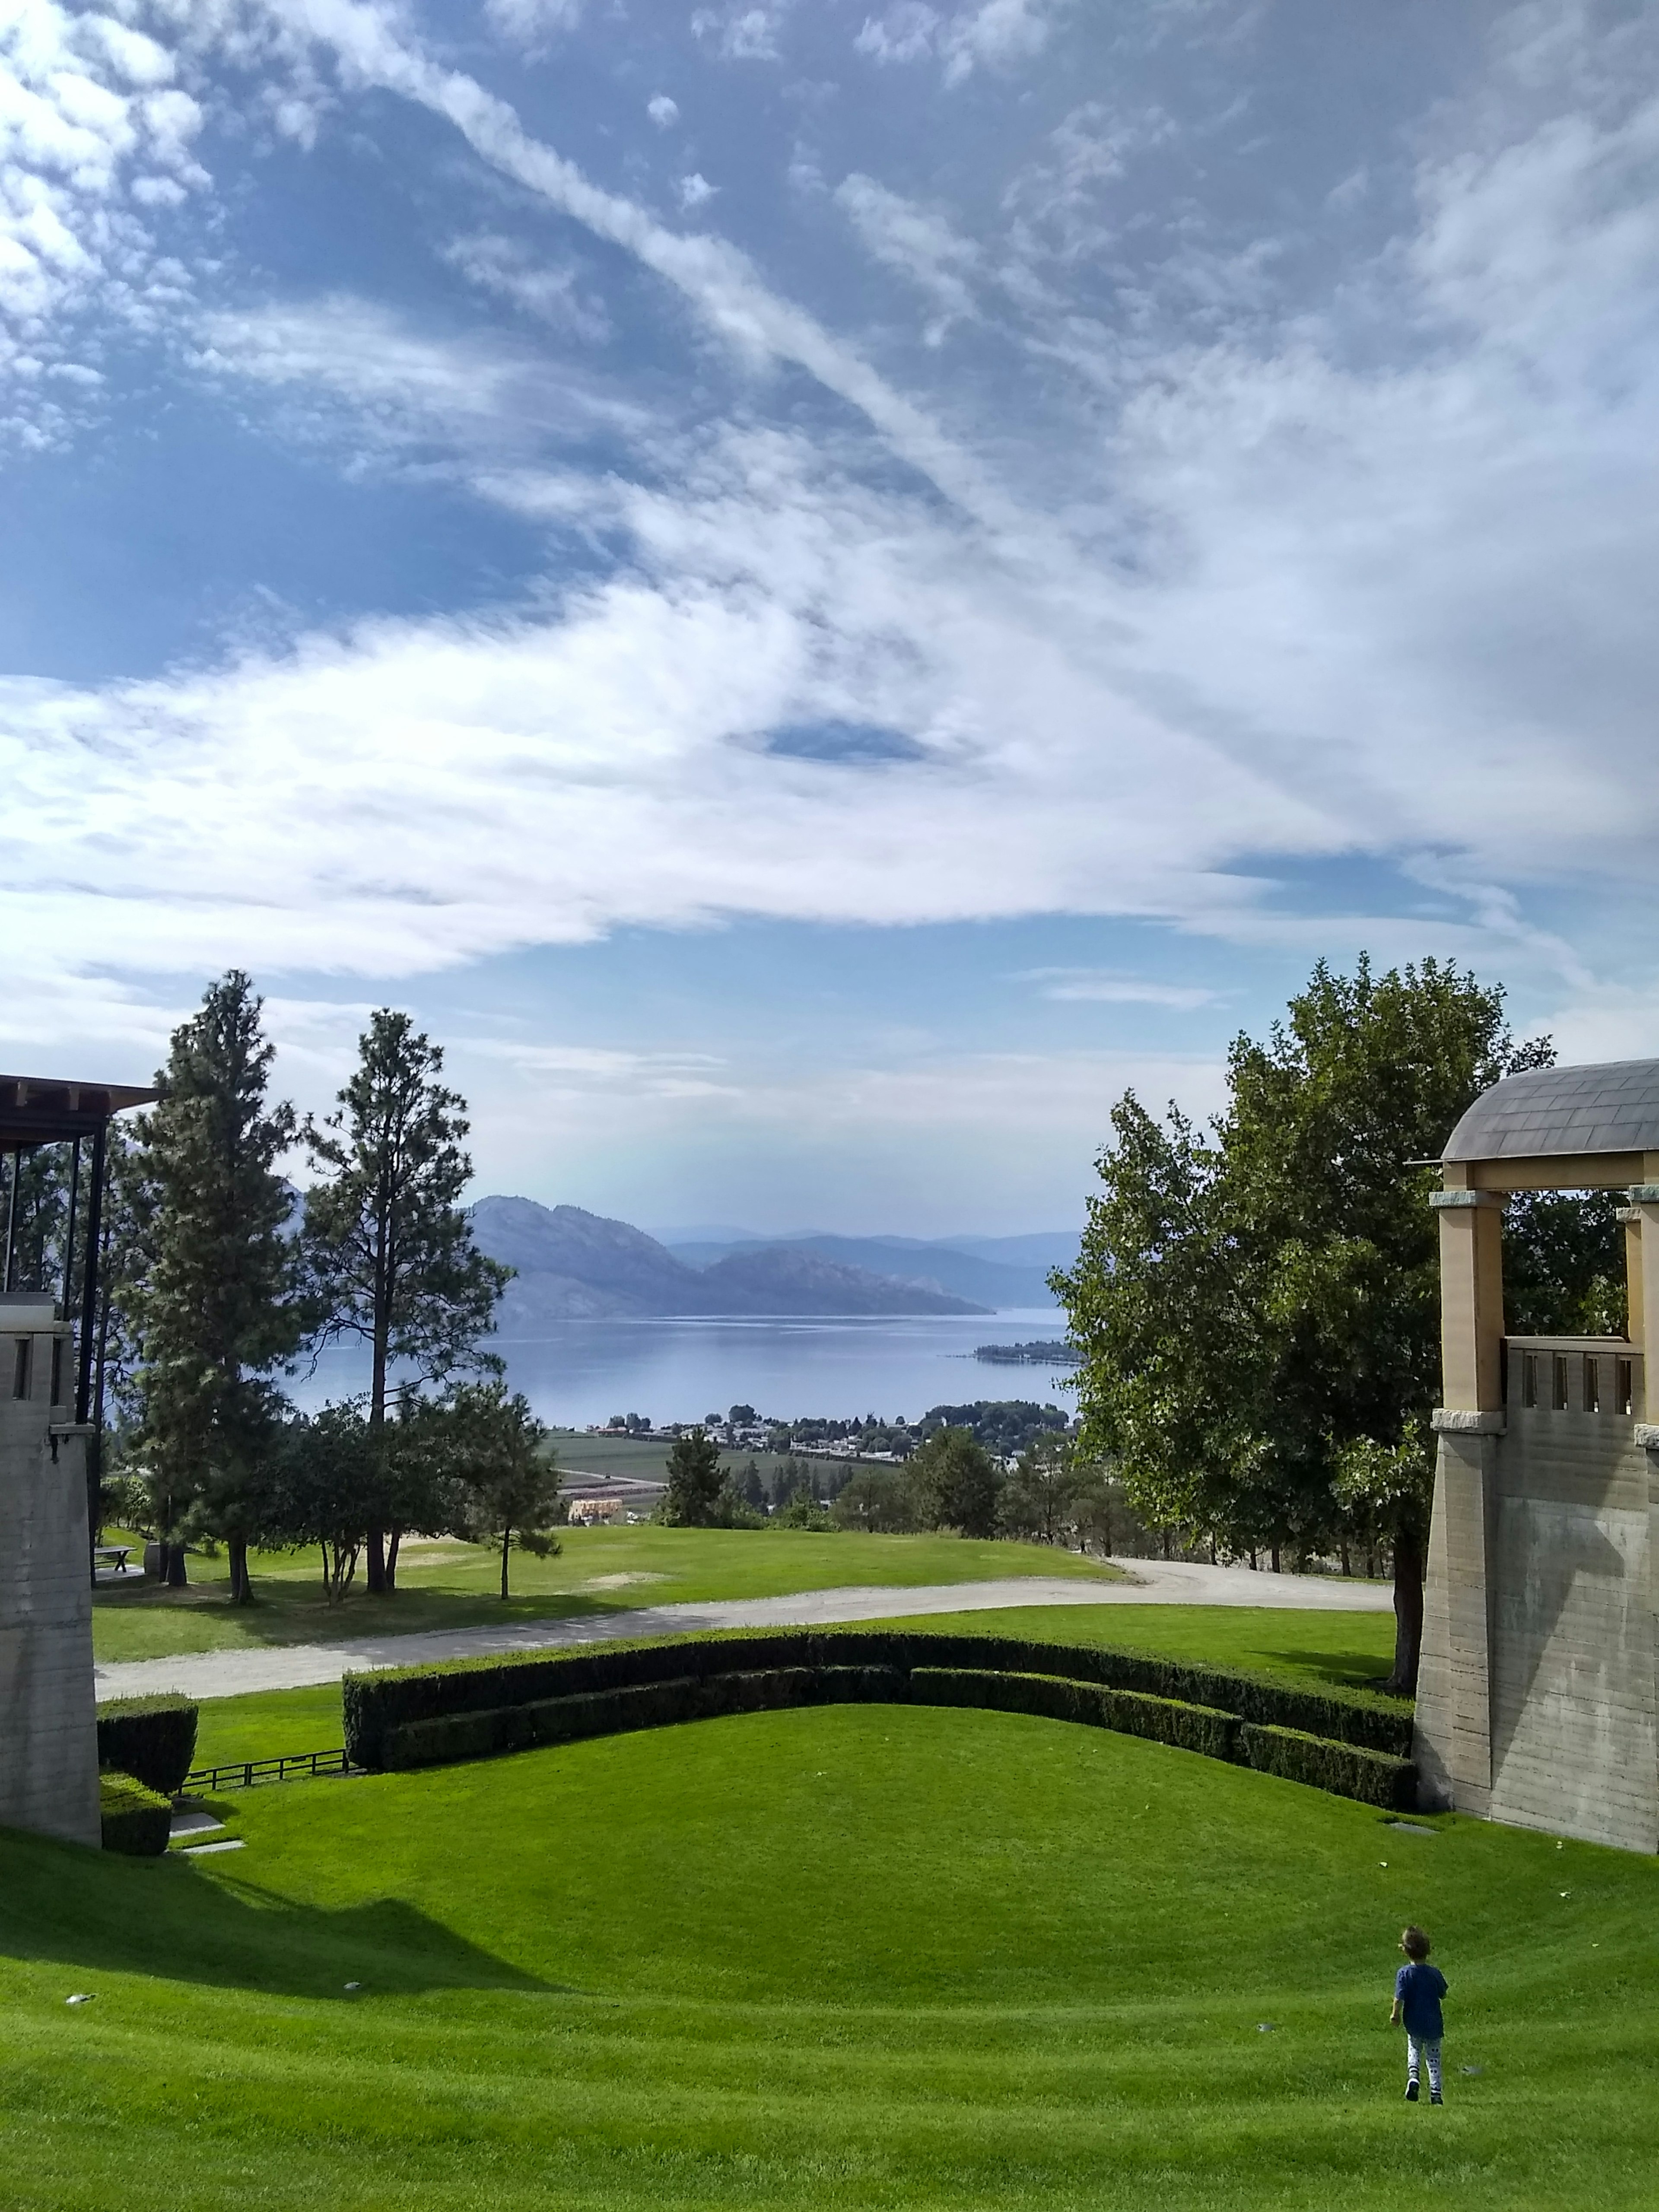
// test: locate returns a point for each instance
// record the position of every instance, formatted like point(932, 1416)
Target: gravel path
point(1152, 1582)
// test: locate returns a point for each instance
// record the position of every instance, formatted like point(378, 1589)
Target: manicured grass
point(600, 1570)
point(849, 1958)
point(1351, 1652)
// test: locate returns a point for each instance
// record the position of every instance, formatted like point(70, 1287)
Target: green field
point(600, 1570)
point(852, 1957)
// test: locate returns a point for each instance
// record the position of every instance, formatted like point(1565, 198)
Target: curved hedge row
point(475, 1709)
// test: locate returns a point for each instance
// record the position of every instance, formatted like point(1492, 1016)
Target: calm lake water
point(679, 1370)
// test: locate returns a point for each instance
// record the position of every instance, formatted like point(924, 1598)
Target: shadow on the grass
point(1342, 1670)
point(166, 1917)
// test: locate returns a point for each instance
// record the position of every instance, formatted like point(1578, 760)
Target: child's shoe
point(1434, 2097)
point(1411, 2092)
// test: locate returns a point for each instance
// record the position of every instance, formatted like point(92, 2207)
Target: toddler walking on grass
point(1418, 1989)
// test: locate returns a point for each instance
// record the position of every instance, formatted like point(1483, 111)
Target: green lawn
point(847, 1958)
point(600, 1570)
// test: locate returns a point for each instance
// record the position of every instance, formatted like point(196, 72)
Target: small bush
point(1344, 1769)
point(153, 1738)
point(133, 1820)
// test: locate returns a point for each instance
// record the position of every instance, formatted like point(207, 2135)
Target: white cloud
point(663, 110)
point(531, 23)
point(991, 33)
point(695, 190)
point(740, 33)
point(918, 242)
point(94, 137)
point(551, 293)
point(1093, 986)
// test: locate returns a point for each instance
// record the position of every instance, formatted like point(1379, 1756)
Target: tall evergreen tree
point(389, 1253)
point(694, 1482)
point(214, 1311)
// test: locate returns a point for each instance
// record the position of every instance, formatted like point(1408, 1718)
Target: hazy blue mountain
point(786, 1278)
point(577, 1266)
point(902, 1258)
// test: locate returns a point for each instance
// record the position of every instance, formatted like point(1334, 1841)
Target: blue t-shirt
point(1419, 1988)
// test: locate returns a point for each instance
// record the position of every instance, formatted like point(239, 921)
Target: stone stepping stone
point(206, 1850)
point(195, 1822)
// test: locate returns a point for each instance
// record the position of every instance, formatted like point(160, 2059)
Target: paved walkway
point(1153, 1582)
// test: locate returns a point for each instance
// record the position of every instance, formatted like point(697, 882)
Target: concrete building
point(1537, 1702)
point(48, 1730)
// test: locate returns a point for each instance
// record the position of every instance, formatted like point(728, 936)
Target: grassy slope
point(1325, 1651)
point(849, 1957)
point(455, 1585)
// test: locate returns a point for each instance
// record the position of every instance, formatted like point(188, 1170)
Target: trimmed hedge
point(152, 1739)
point(638, 1705)
point(395, 1698)
point(1344, 1769)
point(132, 1820)
point(1164, 1720)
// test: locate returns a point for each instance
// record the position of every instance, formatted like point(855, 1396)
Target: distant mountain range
point(983, 1271)
point(577, 1266)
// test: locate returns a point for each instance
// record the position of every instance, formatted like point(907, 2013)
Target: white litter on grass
point(1267, 2027)
point(353, 1986)
point(82, 1996)
point(1471, 2070)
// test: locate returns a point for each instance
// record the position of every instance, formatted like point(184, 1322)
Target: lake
point(580, 1372)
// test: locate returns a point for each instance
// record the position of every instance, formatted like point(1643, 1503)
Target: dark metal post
point(89, 1278)
point(68, 1233)
point(11, 1218)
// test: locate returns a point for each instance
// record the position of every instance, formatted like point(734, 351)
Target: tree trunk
point(396, 1538)
point(506, 1538)
point(1347, 1564)
point(1274, 1555)
point(1409, 1565)
point(241, 1589)
point(376, 1562)
point(1254, 1567)
point(176, 1576)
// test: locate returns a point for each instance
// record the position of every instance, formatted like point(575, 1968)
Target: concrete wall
point(48, 1725)
point(1537, 1702)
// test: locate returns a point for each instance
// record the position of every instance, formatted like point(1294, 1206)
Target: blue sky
point(818, 587)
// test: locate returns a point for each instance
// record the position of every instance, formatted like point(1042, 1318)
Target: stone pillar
point(1452, 1741)
point(48, 1718)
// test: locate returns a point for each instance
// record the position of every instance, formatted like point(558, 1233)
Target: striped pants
point(1430, 2053)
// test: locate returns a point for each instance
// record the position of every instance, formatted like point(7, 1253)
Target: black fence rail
point(243, 1773)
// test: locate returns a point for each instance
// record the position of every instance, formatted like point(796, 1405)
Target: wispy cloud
point(1096, 987)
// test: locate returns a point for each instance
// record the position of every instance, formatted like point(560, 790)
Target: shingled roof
point(1611, 1108)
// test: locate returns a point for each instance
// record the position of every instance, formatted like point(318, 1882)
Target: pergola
point(36, 1110)
point(1537, 1695)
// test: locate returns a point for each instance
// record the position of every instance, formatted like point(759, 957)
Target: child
point(1418, 1989)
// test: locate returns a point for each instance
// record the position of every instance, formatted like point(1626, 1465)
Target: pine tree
point(389, 1253)
point(214, 1311)
point(693, 1481)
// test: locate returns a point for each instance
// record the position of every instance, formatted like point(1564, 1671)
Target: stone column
point(1452, 1735)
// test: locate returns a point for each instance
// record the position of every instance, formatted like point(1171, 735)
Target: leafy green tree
point(214, 1311)
point(1258, 1310)
point(953, 1480)
point(804, 1511)
point(327, 1468)
point(389, 1250)
point(690, 1500)
point(1564, 1264)
point(1037, 1501)
point(877, 1500)
point(507, 1468)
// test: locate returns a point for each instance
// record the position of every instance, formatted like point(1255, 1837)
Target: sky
point(820, 588)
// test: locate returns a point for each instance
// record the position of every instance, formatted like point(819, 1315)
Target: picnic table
point(120, 1553)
